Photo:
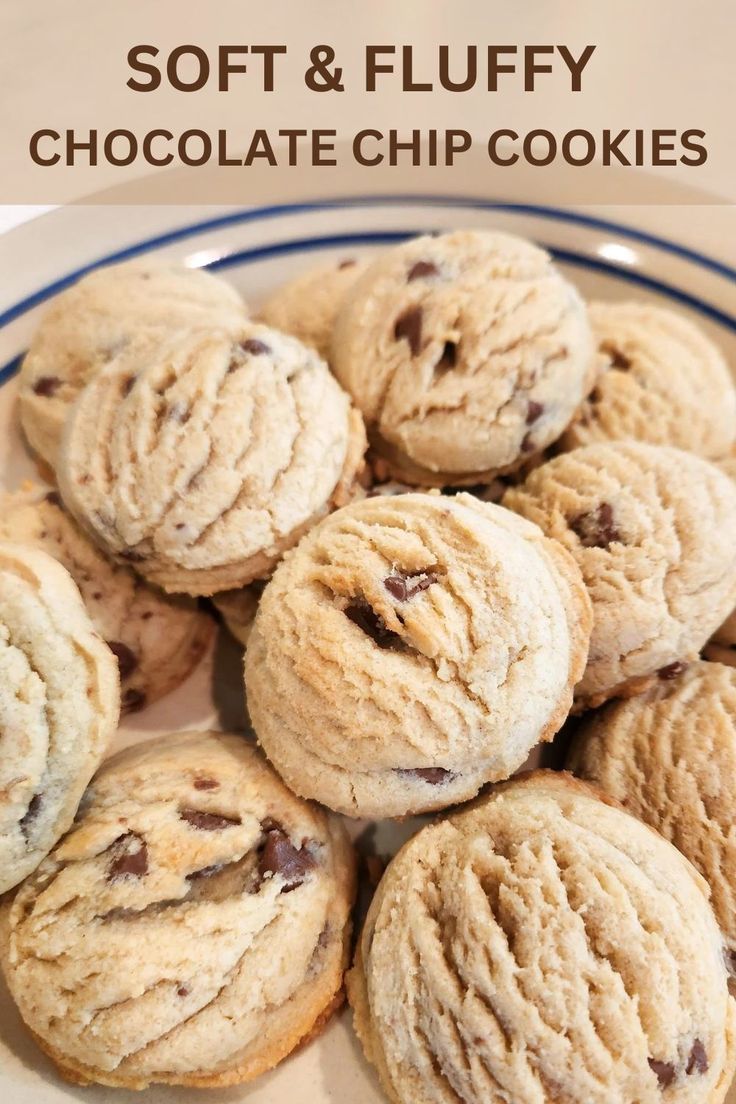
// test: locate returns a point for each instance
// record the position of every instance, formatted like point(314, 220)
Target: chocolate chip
point(128, 860)
point(127, 385)
point(595, 395)
point(207, 822)
point(179, 412)
point(53, 498)
point(534, 411)
point(404, 587)
point(130, 554)
point(421, 269)
point(255, 347)
point(664, 1071)
point(349, 263)
point(279, 856)
point(183, 991)
point(362, 614)
point(409, 326)
point(204, 872)
point(434, 776)
point(448, 359)
point(206, 784)
point(34, 806)
point(527, 443)
point(46, 386)
point(698, 1059)
point(618, 360)
point(672, 670)
point(596, 528)
point(133, 700)
point(127, 660)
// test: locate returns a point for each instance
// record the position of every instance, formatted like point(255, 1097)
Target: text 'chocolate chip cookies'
point(412, 649)
point(234, 895)
point(59, 706)
point(543, 946)
point(108, 312)
point(467, 353)
point(654, 532)
point(200, 466)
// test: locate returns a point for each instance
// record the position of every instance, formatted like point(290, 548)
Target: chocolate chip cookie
point(93, 322)
point(191, 929)
point(59, 706)
point(669, 756)
point(157, 640)
point(468, 354)
point(543, 946)
point(411, 649)
point(653, 530)
point(664, 381)
point(200, 466)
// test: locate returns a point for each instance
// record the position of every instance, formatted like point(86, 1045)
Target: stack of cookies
point(451, 511)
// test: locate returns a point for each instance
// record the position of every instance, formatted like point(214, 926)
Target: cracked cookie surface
point(669, 756)
point(543, 946)
point(156, 640)
point(234, 894)
point(411, 649)
point(663, 382)
point(106, 313)
point(653, 530)
point(467, 353)
point(202, 465)
point(59, 706)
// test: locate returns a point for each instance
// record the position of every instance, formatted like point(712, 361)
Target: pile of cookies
point(451, 511)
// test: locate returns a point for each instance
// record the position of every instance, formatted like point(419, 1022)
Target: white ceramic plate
point(257, 249)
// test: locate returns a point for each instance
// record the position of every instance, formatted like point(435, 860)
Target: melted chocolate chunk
point(127, 660)
point(130, 554)
point(527, 443)
point(206, 784)
point(404, 587)
point(698, 1060)
point(448, 360)
point(665, 1072)
point(254, 347)
point(133, 700)
point(279, 856)
point(534, 411)
point(362, 614)
point(421, 269)
point(34, 806)
point(129, 860)
point(672, 670)
point(204, 872)
point(53, 498)
point(46, 386)
point(434, 776)
point(618, 360)
point(596, 528)
point(207, 822)
point(409, 326)
point(183, 991)
point(127, 385)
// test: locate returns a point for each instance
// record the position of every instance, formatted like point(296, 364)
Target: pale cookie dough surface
point(467, 353)
point(156, 640)
point(543, 947)
point(664, 382)
point(669, 756)
point(653, 530)
point(307, 305)
point(411, 649)
point(201, 466)
point(59, 706)
point(193, 926)
point(106, 313)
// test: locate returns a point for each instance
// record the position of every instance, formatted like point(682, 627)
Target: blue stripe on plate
point(331, 241)
point(468, 202)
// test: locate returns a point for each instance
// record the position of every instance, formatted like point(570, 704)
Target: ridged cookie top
point(100, 317)
point(307, 305)
point(543, 946)
point(59, 706)
point(654, 532)
point(156, 640)
point(201, 464)
point(172, 927)
point(467, 353)
point(670, 757)
point(664, 382)
point(412, 648)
